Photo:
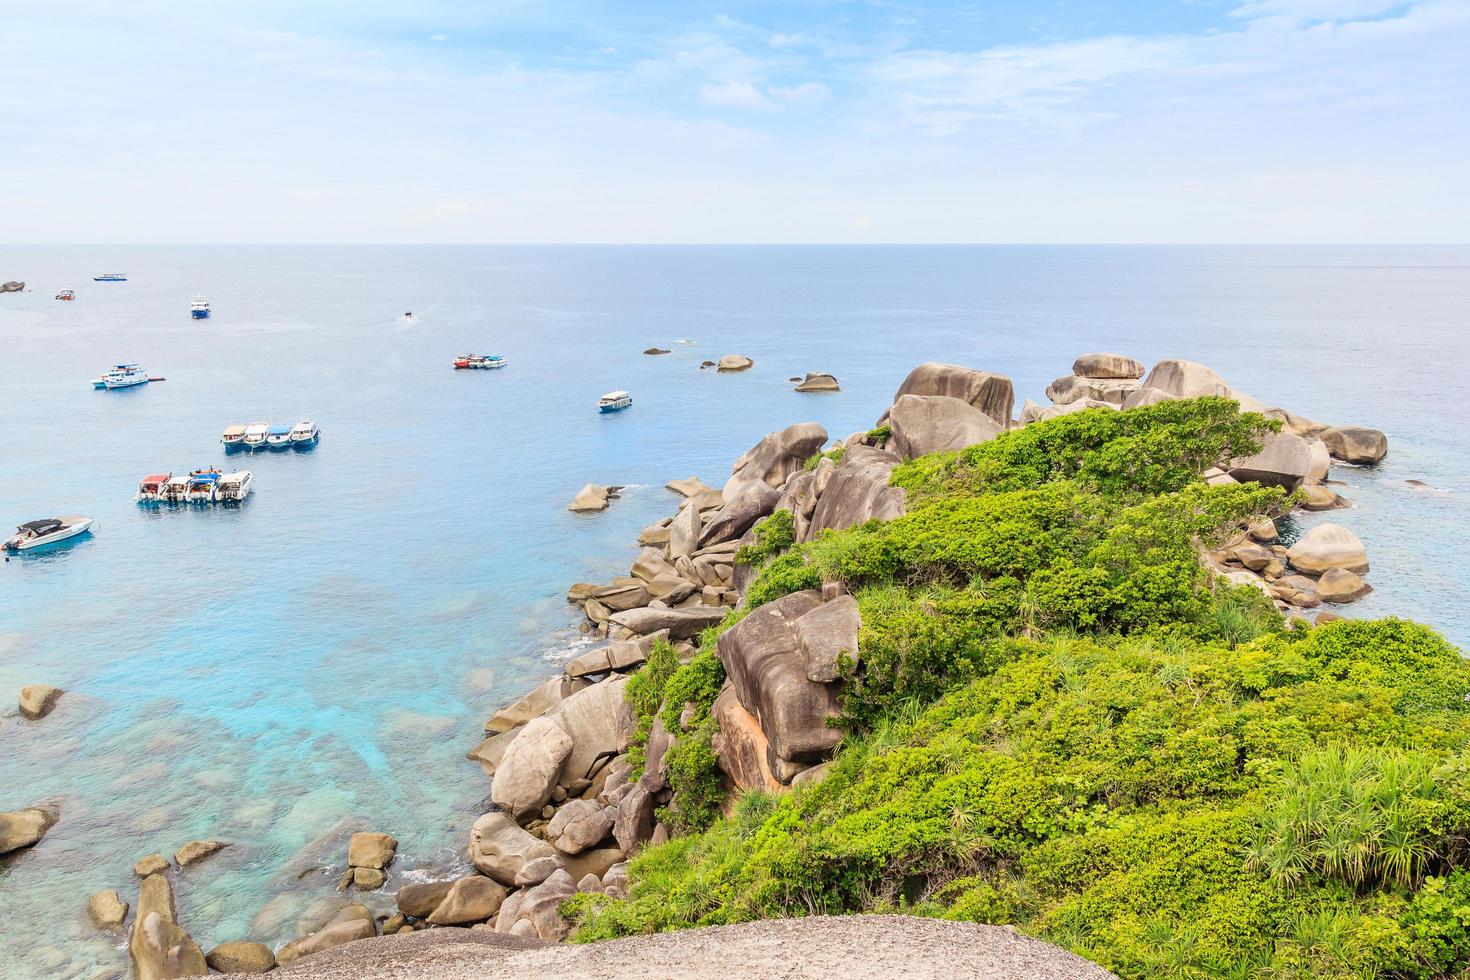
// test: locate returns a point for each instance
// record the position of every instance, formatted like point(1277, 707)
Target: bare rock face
point(1069, 388)
point(1147, 396)
point(529, 769)
point(1107, 366)
point(500, 848)
point(352, 923)
point(1321, 459)
point(1354, 444)
point(197, 850)
point(634, 821)
point(158, 946)
point(1186, 379)
point(38, 700)
point(730, 363)
point(420, 900)
point(618, 655)
point(241, 957)
point(826, 634)
point(590, 720)
point(535, 704)
point(535, 912)
point(1080, 405)
point(684, 531)
point(578, 826)
point(923, 424)
point(747, 505)
point(768, 672)
point(1341, 585)
point(682, 624)
point(473, 898)
point(858, 491)
point(990, 393)
point(741, 746)
point(775, 457)
point(1328, 546)
point(691, 486)
point(589, 498)
point(25, 828)
point(1284, 461)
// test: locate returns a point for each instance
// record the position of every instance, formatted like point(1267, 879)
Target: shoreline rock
point(38, 700)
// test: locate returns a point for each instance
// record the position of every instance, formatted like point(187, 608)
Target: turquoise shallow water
point(324, 656)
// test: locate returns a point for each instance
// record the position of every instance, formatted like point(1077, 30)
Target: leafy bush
point(773, 535)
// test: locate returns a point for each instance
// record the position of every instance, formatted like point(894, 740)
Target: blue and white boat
point(199, 309)
point(201, 486)
point(278, 436)
point(110, 277)
point(304, 434)
point(122, 376)
point(614, 401)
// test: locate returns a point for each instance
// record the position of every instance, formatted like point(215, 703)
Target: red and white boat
point(479, 361)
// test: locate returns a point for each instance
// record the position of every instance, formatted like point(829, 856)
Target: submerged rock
point(590, 498)
point(107, 910)
point(25, 828)
point(38, 700)
point(151, 865)
point(197, 850)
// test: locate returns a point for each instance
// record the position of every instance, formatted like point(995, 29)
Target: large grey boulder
point(633, 822)
point(746, 506)
point(419, 900)
point(500, 848)
point(349, 925)
point(158, 946)
point(241, 956)
point(579, 825)
point(537, 911)
point(858, 491)
point(691, 486)
point(1285, 460)
point(529, 769)
point(618, 655)
point(25, 828)
point(1070, 388)
point(775, 457)
point(1147, 396)
point(1321, 460)
point(825, 635)
point(590, 720)
point(1341, 585)
point(684, 531)
point(1355, 444)
point(1186, 379)
point(1080, 405)
point(990, 393)
point(682, 624)
point(1325, 547)
point(473, 898)
point(1107, 366)
point(761, 657)
point(535, 704)
point(923, 424)
point(741, 747)
point(12, 287)
point(589, 498)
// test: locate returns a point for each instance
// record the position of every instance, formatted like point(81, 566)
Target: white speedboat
point(175, 490)
point(278, 436)
point(614, 401)
point(38, 534)
point(255, 433)
point(233, 437)
point(122, 376)
point(150, 489)
point(200, 489)
point(233, 487)
point(304, 434)
point(199, 309)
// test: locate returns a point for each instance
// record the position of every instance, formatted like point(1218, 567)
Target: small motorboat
point(479, 361)
point(278, 436)
point(175, 490)
point(150, 490)
point(199, 309)
point(233, 487)
point(254, 437)
point(38, 534)
point(122, 376)
point(305, 434)
point(614, 401)
point(110, 277)
point(233, 438)
point(66, 294)
point(201, 486)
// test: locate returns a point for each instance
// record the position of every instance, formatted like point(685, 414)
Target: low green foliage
point(880, 436)
point(773, 535)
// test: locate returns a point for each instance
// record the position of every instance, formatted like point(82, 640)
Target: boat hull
point(199, 314)
point(57, 537)
point(113, 385)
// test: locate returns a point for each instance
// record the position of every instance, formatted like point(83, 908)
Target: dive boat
point(614, 401)
point(201, 486)
point(278, 436)
point(150, 490)
point(479, 361)
point(122, 376)
point(110, 277)
point(304, 434)
point(37, 534)
point(66, 294)
point(175, 490)
point(233, 487)
point(254, 437)
point(233, 438)
point(199, 309)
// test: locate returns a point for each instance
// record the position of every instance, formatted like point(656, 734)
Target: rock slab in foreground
point(991, 393)
point(159, 947)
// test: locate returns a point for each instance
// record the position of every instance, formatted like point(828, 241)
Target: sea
point(321, 658)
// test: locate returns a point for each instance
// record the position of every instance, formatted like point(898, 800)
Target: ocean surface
point(321, 658)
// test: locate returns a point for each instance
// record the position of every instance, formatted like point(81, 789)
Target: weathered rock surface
point(151, 865)
point(741, 746)
point(1079, 405)
point(658, 350)
point(990, 393)
point(535, 704)
point(923, 424)
point(633, 823)
point(742, 509)
point(682, 624)
point(618, 655)
point(371, 849)
point(1070, 388)
point(578, 826)
point(473, 898)
point(1147, 396)
point(1186, 379)
point(25, 828)
point(858, 491)
point(818, 382)
point(691, 486)
point(1341, 585)
point(733, 362)
point(1107, 366)
point(107, 910)
point(1328, 546)
point(419, 900)
point(1284, 461)
point(1321, 460)
point(536, 911)
point(589, 498)
point(776, 457)
point(825, 635)
point(352, 923)
point(500, 848)
point(529, 769)
point(241, 957)
point(1354, 444)
point(197, 850)
point(38, 700)
point(684, 531)
point(12, 287)
point(158, 946)
point(590, 720)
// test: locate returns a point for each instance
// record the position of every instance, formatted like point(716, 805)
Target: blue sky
point(807, 121)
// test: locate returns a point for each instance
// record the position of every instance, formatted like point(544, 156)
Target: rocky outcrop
point(1354, 444)
point(818, 382)
point(826, 635)
point(681, 624)
point(24, 828)
point(471, 899)
point(579, 825)
point(500, 848)
point(529, 769)
point(420, 900)
point(106, 910)
point(241, 957)
point(535, 912)
point(590, 720)
point(1325, 547)
point(776, 457)
point(12, 287)
point(197, 850)
point(1147, 396)
point(1107, 366)
point(990, 393)
point(734, 362)
point(589, 498)
point(158, 946)
point(741, 746)
point(1284, 461)
point(746, 506)
point(535, 704)
point(658, 350)
point(1186, 379)
point(150, 865)
point(38, 700)
point(689, 487)
point(350, 924)
point(858, 491)
point(1341, 585)
point(923, 424)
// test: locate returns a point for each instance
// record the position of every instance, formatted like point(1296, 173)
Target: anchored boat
point(200, 489)
point(66, 294)
point(38, 534)
point(233, 438)
point(479, 361)
point(199, 309)
point(278, 436)
point(305, 434)
point(150, 489)
point(233, 487)
point(614, 401)
point(122, 376)
point(174, 490)
point(255, 434)
point(110, 277)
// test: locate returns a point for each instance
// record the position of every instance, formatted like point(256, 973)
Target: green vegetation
point(1060, 721)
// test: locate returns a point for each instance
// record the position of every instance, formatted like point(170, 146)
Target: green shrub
point(773, 535)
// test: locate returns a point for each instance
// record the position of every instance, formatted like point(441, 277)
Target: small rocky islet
point(576, 789)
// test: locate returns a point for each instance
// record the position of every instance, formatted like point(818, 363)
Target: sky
point(800, 121)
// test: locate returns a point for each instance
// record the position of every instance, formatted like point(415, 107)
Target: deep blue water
point(328, 651)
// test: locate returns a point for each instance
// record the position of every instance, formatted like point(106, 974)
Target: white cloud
point(438, 37)
point(735, 95)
